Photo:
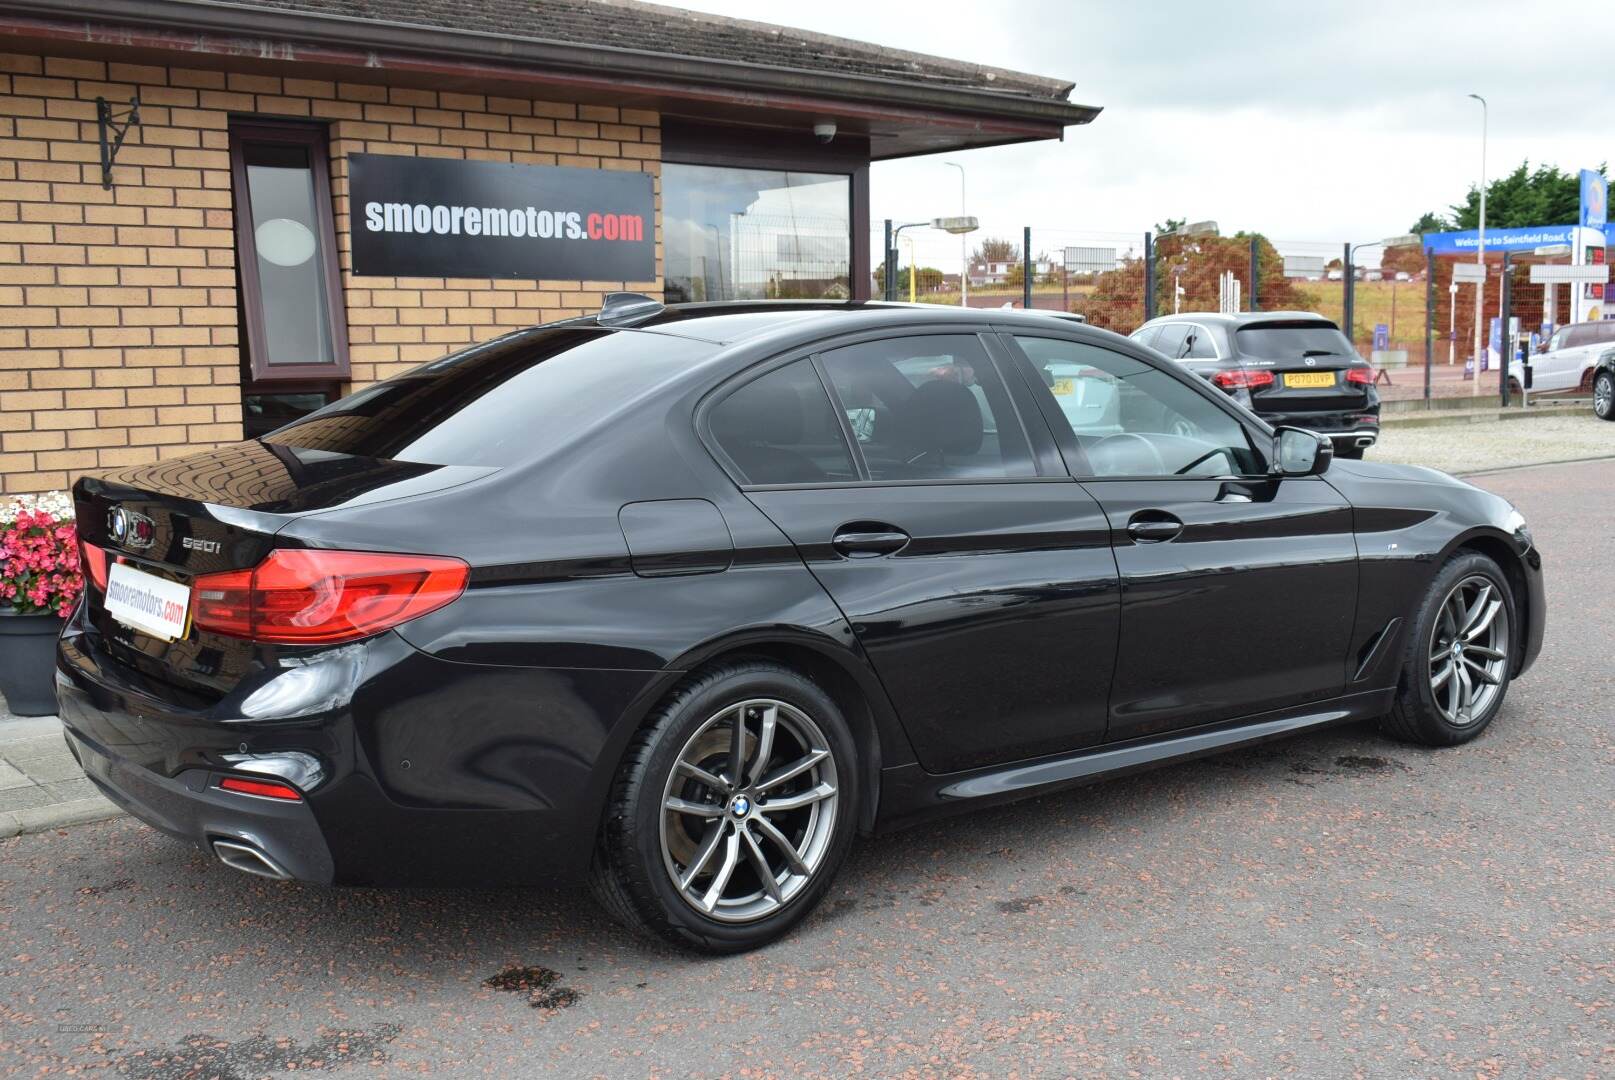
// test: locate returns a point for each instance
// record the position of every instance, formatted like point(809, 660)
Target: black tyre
point(732, 810)
point(1604, 395)
point(1458, 655)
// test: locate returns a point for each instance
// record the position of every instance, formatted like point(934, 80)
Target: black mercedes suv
point(681, 600)
point(1289, 367)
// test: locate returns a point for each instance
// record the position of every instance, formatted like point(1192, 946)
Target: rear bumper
point(1354, 427)
point(284, 836)
point(430, 772)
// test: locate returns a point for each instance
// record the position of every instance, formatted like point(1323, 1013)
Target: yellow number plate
point(1064, 387)
point(1309, 379)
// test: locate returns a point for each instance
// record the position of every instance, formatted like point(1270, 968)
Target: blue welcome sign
point(1465, 242)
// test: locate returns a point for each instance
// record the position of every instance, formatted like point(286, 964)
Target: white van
point(1566, 362)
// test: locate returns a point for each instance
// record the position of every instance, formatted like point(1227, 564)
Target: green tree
point(1545, 195)
point(1170, 225)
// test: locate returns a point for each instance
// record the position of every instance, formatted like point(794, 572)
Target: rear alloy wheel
point(1604, 395)
point(1459, 655)
point(733, 811)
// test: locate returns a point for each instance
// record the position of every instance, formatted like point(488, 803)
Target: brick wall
point(118, 323)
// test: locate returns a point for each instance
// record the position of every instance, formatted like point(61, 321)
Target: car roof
point(1244, 318)
point(731, 322)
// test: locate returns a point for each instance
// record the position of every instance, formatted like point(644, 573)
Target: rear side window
point(1199, 344)
point(782, 429)
point(1170, 339)
point(929, 408)
point(498, 403)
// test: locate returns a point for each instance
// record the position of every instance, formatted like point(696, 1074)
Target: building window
point(291, 294)
point(755, 234)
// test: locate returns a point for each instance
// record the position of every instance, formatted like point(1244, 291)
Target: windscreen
point(1282, 341)
point(498, 403)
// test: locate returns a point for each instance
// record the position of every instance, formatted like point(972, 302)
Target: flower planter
point(28, 662)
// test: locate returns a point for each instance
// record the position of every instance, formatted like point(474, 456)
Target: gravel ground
point(1334, 905)
point(1500, 444)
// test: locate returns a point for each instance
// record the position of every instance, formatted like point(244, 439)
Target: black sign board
point(441, 218)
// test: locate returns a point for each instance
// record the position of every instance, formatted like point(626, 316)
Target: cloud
point(1315, 124)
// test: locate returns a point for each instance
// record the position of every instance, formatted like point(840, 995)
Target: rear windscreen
point(498, 403)
point(1279, 342)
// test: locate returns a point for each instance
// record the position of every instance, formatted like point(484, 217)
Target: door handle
point(1153, 530)
point(868, 541)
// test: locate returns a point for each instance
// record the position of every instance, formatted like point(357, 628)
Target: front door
point(983, 593)
point(1239, 590)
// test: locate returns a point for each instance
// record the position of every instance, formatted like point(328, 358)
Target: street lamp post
point(1480, 247)
point(964, 243)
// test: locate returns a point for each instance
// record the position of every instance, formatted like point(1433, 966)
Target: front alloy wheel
point(1458, 655)
point(1469, 651)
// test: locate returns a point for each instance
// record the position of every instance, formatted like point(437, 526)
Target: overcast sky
point(1324, 121)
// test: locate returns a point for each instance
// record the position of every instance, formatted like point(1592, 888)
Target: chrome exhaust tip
point(238, 855)
point(1365, 440)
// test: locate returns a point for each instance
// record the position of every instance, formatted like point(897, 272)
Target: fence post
point(1429, 319)
point(888, 287)
point(1149, 277)
point(1505, 340)
point(1348, 286)
point(1255, 273)
point(1026, 268)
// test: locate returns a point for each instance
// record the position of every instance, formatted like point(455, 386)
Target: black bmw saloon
point(679, 601)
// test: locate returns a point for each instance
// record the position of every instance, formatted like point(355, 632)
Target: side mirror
point(1299, 452)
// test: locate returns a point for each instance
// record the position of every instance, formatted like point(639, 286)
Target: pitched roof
point(655, 28)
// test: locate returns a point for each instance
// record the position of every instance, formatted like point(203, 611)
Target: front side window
point(1131, 419)
point(781, 429)
point(929, 408)
point(755, 234)
point(1170, 340)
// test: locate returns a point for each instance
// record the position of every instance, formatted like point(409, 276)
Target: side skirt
point(910, 795)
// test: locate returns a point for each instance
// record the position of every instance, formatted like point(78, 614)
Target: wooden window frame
point(313, 137)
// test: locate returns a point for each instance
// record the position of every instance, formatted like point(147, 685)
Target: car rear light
point(1363, 376)
point(1366, 419)
point(1243, 379)
point(264, 789)
point(95, 563)
point(319, 597)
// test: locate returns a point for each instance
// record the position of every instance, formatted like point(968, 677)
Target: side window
point(1147, 336)
point(1171, 338)
point(1606, 332)
point(1131, 419)
point(1199, 345)
point(929, 408)
point(782, 429)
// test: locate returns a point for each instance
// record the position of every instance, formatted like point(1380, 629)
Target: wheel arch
point(841, 671)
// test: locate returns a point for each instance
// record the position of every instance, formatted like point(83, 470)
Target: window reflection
point(291, 267)
point(755, 234)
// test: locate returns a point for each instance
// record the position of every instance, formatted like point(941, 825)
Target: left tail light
point(1243, 379)
point(320, 597)
point(1363, 376)
point(95, 563)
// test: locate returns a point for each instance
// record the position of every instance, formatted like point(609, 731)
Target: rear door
point(975, 574)
point(1239, 590)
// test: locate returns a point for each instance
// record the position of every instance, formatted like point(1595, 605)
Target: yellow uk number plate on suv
point(1309, 380)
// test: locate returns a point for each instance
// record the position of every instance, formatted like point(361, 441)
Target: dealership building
point(214, 217)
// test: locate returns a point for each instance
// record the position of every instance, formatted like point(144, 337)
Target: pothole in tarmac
point(538, 983)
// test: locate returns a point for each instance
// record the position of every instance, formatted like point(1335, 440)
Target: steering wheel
point(1155, 455)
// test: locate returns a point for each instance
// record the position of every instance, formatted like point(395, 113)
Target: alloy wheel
point(749, 810)
point(1604, 395)
point(1469, 646)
